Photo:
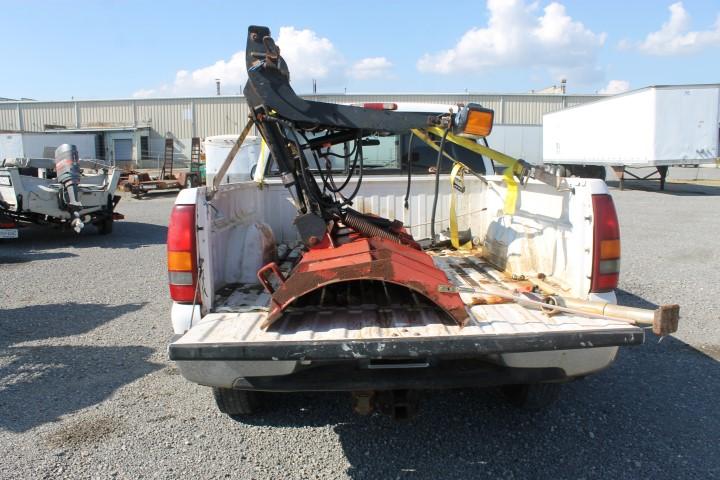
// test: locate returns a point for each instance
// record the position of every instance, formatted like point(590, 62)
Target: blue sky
point(56, 50)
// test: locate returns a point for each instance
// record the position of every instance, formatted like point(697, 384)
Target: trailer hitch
point(399, 404)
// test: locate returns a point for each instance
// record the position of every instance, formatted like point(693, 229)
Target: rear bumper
point(401, 363)
point(357, 376)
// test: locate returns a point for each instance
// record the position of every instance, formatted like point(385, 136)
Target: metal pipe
point(664, 320)
point(229, 159)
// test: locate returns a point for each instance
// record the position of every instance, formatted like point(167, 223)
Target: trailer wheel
point(532, 397)
point(236, 403)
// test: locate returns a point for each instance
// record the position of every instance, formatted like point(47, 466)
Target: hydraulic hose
point(348, 200)
point(407, 191)
point(356, 151)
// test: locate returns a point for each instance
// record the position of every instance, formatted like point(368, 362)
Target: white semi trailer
point(657, 126)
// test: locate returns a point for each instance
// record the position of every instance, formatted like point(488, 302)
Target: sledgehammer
point(664, 319)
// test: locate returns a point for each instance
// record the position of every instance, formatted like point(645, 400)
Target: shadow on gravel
point(33, 256)
point(126, 234)
point(631, 300)
point(158, 194)
point(37, 322)
point(38, 384)
point(654, 414)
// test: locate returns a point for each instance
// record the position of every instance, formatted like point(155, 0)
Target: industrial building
point(133, 131)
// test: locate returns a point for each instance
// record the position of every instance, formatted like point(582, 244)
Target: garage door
point(123, 150)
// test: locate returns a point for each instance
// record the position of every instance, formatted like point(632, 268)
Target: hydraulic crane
point(343, 245)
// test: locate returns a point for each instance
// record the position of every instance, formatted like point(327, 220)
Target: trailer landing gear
point(661, 171)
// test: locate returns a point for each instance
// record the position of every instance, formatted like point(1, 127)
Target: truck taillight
point(606, 245)
point(182, 254)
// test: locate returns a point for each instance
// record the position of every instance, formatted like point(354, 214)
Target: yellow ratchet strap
point(456, 173)
point(512, 191)
point(511, 163)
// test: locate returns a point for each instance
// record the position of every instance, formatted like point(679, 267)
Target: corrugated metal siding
point(105, 114)
point(163, 116)
point(227, 114)
point(490, 101)
point(217, 116)
point(36, 115)
point(8, 117)
point(528, 110)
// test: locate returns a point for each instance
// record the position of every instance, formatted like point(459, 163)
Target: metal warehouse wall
point(184, 118)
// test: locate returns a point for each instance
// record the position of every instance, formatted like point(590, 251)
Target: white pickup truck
point(391, 281)
point(381, 338)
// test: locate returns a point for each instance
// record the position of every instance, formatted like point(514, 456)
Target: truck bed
point(385, 320)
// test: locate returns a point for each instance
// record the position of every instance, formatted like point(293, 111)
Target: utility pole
point(217, 85)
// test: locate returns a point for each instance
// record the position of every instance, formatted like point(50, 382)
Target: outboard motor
point(67, 166)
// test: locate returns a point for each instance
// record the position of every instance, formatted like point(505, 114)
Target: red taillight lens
point(182, 254)
point(606, 245)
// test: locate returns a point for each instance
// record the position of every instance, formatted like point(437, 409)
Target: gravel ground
point(86, 390)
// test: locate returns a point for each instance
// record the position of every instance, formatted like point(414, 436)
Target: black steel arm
point(269, 86)
point(280, 114)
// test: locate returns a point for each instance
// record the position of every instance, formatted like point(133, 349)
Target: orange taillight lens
point(180, 261)
point(609, 249)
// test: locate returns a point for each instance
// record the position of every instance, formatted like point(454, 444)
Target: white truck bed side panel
point(550, 232)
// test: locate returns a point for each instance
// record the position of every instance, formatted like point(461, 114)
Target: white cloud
point(517, 35)
point(675, 36)
point(307, 55)
point(615, 86)
point(232, 75)
point(371, 67)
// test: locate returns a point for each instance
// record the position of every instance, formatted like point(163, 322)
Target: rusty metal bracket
point(361, 260)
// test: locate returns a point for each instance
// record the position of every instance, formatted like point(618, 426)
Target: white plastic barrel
point(217, 149)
